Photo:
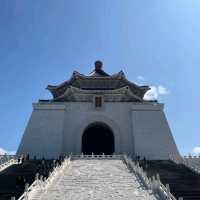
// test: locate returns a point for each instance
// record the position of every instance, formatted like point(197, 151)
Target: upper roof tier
point(97, 80)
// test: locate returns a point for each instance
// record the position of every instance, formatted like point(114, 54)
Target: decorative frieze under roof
point(81, 87)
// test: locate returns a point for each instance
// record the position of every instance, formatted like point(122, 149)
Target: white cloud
point(196, 150)
point(155, 92)
point(152, 94)
point(3, 152)
point(162, 90)
point(141, 78)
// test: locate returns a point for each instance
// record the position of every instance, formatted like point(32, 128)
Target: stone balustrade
point(93, 156)
point(192, 163)
point(6, 161)
point(153, 184)
point(194, 160)
point(41, 183)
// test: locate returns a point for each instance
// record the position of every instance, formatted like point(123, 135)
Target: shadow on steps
point(9, 184)
point(182, 181)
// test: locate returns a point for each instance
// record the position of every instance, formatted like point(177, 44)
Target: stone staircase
point(106, 179)
point(182, 181)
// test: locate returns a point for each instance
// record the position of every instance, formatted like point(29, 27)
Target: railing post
point(36, 176)
point(158, 177)
point(13, 198)
point(26, 191)
point(153, 183)
point(44, 182)
point(150, 184)
point(41, 178)
point(180, 198)
point(168, 189)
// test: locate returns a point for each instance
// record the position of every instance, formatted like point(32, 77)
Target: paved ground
point(96, 180)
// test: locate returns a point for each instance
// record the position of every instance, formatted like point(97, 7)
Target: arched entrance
point(98, 138)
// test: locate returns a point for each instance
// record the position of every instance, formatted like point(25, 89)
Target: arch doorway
point(98, 138)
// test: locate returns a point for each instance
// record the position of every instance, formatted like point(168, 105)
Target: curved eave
point(59, 90)
point(54, 89)
point(73, 91)
point(142, 89)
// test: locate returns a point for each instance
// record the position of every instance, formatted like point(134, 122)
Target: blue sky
point(153, 42)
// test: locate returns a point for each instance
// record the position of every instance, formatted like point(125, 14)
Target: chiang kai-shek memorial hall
point(98, 113)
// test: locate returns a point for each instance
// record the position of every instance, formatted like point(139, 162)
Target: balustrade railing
point(194, 160)
point(6, 161)
point(94, 156)
point(153, 184)
point(42, 183)
point(190, 162)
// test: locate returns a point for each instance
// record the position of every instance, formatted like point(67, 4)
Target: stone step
point(96, 179)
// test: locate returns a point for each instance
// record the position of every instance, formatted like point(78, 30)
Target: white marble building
point(98, 113)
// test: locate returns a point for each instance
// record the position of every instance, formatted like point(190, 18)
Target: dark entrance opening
point(98, 139)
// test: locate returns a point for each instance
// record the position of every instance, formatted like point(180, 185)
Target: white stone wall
point(56, 128)
point(116, 115)
point(43, 134)
point(152, 135)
